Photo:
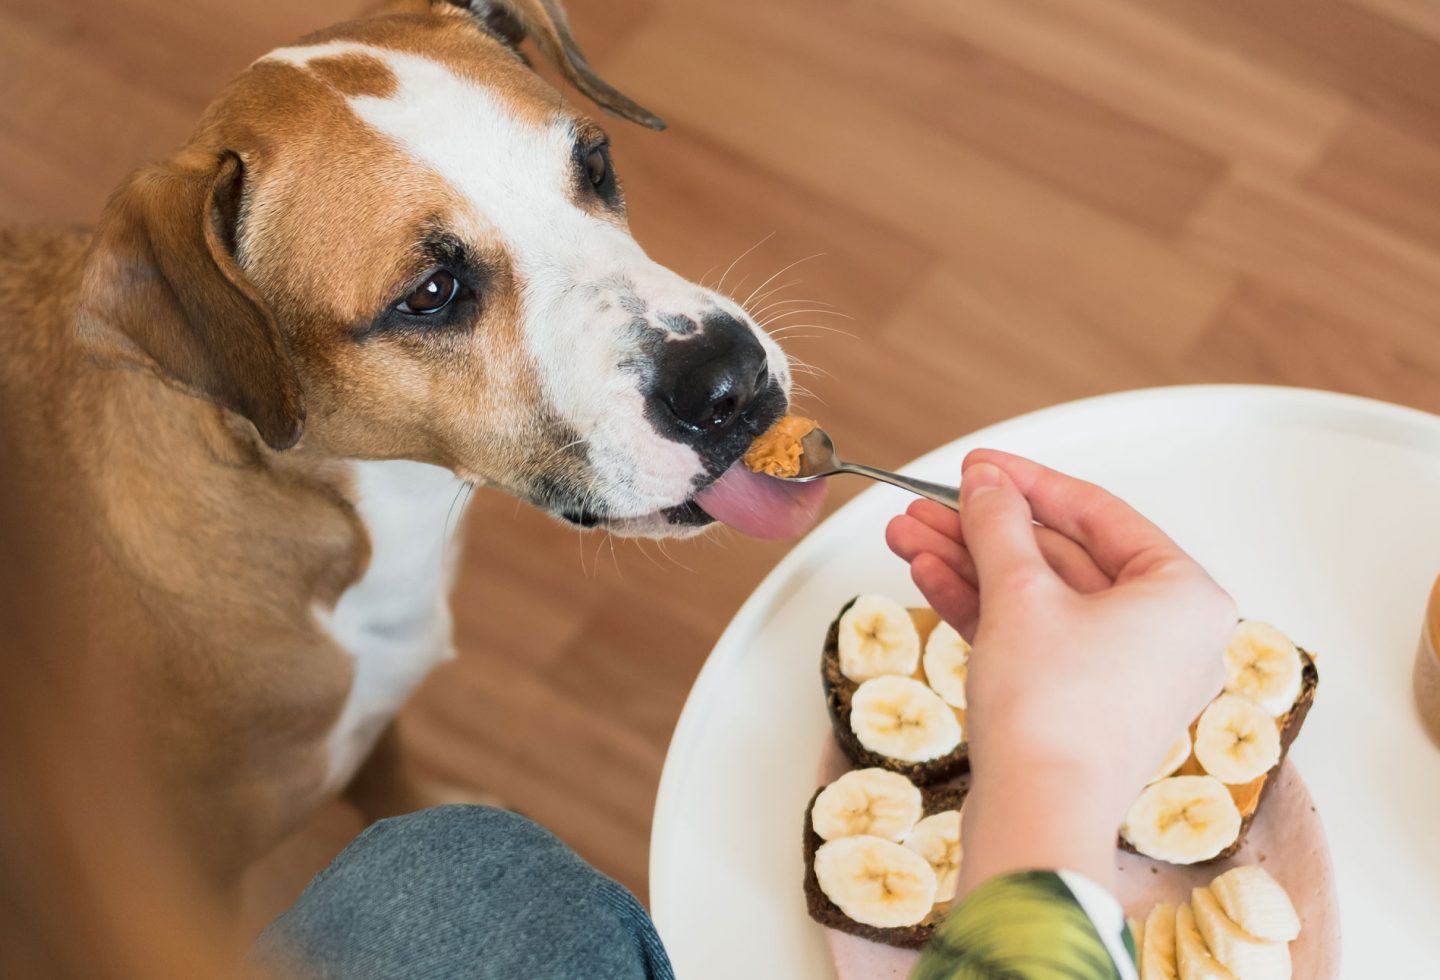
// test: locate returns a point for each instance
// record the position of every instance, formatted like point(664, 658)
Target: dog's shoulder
point(40, 274)
point(32, 256)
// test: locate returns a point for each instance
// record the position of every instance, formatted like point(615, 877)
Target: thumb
point(996, 520)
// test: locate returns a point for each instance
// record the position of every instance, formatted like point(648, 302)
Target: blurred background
point(970, 209)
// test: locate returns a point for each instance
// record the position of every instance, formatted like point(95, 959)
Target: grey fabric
point(463, 893)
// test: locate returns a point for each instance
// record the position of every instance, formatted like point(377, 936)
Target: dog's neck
point(395, 621)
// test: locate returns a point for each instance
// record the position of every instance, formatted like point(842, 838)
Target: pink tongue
point(762, 506)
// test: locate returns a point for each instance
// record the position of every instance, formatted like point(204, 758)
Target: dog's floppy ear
point(545, 22)
point(162, 290)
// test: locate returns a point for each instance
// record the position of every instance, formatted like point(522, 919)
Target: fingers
point(909, 536)
point(1070, 561)
point(1110, 530)
point(951, 596)
point(999, 532)
point(937, 516)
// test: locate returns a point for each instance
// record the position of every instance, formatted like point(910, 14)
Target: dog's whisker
point(614, 557)
point(773, 310)
point(640, 547)
point(789, 330)
point(775, 289)
point(720, 286)
point(660, 543)
point(792, 326)
point(587, 496)
point(779, 274)
point(761, 293)
point(823, 308)
point(540, 466)
point(798, 366)
point(810, 371)
point(786, 314)
point(595, 557)
point(789, 337)
point(759, 313)
point(465, 489)
point(810, 368)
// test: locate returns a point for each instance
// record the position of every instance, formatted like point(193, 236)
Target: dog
point(389, 262)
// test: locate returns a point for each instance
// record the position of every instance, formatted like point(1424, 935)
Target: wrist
point(1055, 743)
point(1040, 813)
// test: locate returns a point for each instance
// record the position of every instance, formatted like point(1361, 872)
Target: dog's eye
point(432, 295)
point(597, 167)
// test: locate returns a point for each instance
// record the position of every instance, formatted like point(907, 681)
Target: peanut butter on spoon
point(777, 451)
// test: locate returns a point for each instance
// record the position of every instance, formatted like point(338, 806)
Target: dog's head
point(394, 240)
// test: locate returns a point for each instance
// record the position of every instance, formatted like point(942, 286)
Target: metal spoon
point(818, 459)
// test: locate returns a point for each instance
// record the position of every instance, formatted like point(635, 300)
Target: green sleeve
point(1030, 925)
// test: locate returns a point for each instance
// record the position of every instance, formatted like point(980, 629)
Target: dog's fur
point(260, 451)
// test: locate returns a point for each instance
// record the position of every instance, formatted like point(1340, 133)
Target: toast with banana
point(882, 856)
point(1201, 802)
point(895, 687)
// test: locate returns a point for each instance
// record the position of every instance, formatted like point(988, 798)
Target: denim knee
point(463, 892)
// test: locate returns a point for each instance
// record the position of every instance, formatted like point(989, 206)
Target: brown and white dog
point(389, 261)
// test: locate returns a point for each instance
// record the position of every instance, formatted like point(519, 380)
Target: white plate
point(1317, 511)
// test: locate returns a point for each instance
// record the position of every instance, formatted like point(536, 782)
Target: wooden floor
point(1012, 203)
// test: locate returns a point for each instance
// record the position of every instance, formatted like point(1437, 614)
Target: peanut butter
point(777, 452)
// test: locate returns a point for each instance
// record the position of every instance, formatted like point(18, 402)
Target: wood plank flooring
point(991, 206)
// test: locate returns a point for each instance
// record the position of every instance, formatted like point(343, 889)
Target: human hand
point(1096, 641)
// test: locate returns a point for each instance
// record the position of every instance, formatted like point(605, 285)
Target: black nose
point(708, 379)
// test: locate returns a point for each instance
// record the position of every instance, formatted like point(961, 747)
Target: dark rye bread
point(1309, 679)
point(828, 914)
point(839, 690)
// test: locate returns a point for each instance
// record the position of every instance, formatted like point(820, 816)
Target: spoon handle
point(941, 494)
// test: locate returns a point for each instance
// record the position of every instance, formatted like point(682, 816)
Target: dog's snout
point(708, 380)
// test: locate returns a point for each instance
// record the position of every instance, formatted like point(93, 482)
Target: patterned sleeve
point(1032, 925)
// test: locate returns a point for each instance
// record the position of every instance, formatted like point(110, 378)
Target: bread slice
point(1251, 795)
point(839, 690)
point(828, 914)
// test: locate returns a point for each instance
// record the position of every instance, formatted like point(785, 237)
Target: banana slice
point(1175, 758)
point(1182, 819)
point(1157, 952)
point(876, 881)
point(901, 718)
point(1262, 664)
point(877, 637)
point(1137, 935)
point(937, 840)
point(1193, 960)
point(1236, 740)
point(1238, 951)
point(946, 661)
point(1257, 903)
point(867, 801)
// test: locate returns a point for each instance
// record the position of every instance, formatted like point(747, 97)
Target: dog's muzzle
point(708, 386)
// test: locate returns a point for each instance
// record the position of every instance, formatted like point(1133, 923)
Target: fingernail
point(980, 478)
